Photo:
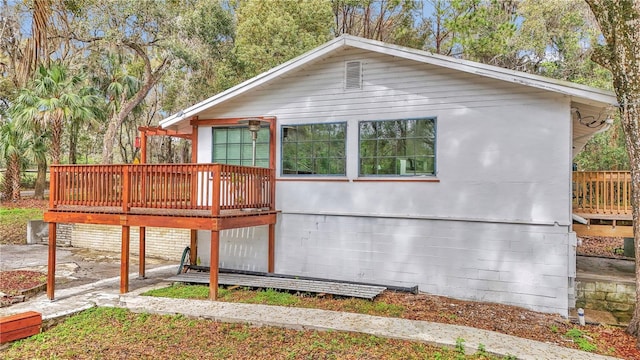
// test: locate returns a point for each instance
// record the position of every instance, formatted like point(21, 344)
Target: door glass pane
point(234, 146)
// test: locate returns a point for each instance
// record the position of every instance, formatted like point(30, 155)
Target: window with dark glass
point(314, 149)
point(234, 146)
point(397, 147)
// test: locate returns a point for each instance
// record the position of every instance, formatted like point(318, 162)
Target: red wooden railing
point(212, 187)
point(602, 192)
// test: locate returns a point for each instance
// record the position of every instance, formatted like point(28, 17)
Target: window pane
point(246, 135)
point(220, 153)
point(247, 151)
point(262, 151)
point(314, 149)
point(336, 149)
point(263, 135)
point(219, 136)
point(235, 136)
point(233, 152)
point(397, 147)
point(234, 146)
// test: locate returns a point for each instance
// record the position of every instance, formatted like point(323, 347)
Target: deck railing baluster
point(171, 186)
point(602, 192)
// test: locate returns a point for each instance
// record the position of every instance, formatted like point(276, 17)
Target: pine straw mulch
point(511, 320)
point(610, 247)
point(19, 285)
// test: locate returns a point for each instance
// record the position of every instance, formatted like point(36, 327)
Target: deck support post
point(213, 266)
point(272, 250)
point(51, 266)
point(124, 260)
point(142, 253)
point(193, 246)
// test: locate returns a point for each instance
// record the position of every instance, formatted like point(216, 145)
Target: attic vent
point(353, 75)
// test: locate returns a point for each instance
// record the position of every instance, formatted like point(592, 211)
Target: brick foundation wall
point(618, 298)
point(64, 233)
point(161, 243)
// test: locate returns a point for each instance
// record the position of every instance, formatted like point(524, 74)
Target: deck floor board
point(269, 282)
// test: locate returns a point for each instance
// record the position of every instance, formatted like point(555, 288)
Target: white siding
point(494, 228)
point(501, 148)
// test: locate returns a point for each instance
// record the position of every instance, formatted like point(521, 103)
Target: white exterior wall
point(496, 225)
point(524, 265)
point(503, 150)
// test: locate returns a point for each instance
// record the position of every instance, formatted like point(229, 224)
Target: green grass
point(179, 291)
point(20, 214)
point(581, 340)
point(13, 224)
point(274, 297)
point(112, 333)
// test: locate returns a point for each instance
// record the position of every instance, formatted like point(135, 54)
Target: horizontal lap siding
point(502, 148)
point(388, 83)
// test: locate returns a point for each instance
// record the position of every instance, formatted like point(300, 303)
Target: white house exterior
point(488, 218)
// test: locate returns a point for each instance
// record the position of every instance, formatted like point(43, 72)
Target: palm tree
point(54, 99)
point(12, 148)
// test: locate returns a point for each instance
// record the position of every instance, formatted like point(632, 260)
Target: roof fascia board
point(255, 81)
point(541, 82)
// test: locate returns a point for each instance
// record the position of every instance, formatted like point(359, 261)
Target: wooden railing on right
point(602, 192)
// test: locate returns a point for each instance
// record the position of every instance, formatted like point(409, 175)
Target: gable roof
point(577, 92)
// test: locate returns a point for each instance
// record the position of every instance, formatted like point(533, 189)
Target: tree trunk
point(73, 143)
point(151, 77)
point(56, 140)
point(109, 139)
point(15, 177)
point(7, 182)
point(631, 125)
point(41, 180)
point(618, 20)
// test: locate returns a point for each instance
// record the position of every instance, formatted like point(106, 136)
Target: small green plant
point(579, 338)
point(240, 335)
point(460, 346)
point(554, 329)
point(482, 350)
point(179, 291)
point(272, 297)
point(380, 308)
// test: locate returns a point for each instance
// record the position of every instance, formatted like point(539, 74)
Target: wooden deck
point(271, 282)
point(603, 198)
point(604, 193)
point(195, 196)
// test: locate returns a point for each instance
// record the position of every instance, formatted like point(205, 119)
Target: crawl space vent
point(353, 75)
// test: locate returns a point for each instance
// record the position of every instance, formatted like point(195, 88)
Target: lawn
point(13, 221)
point(112, 333)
